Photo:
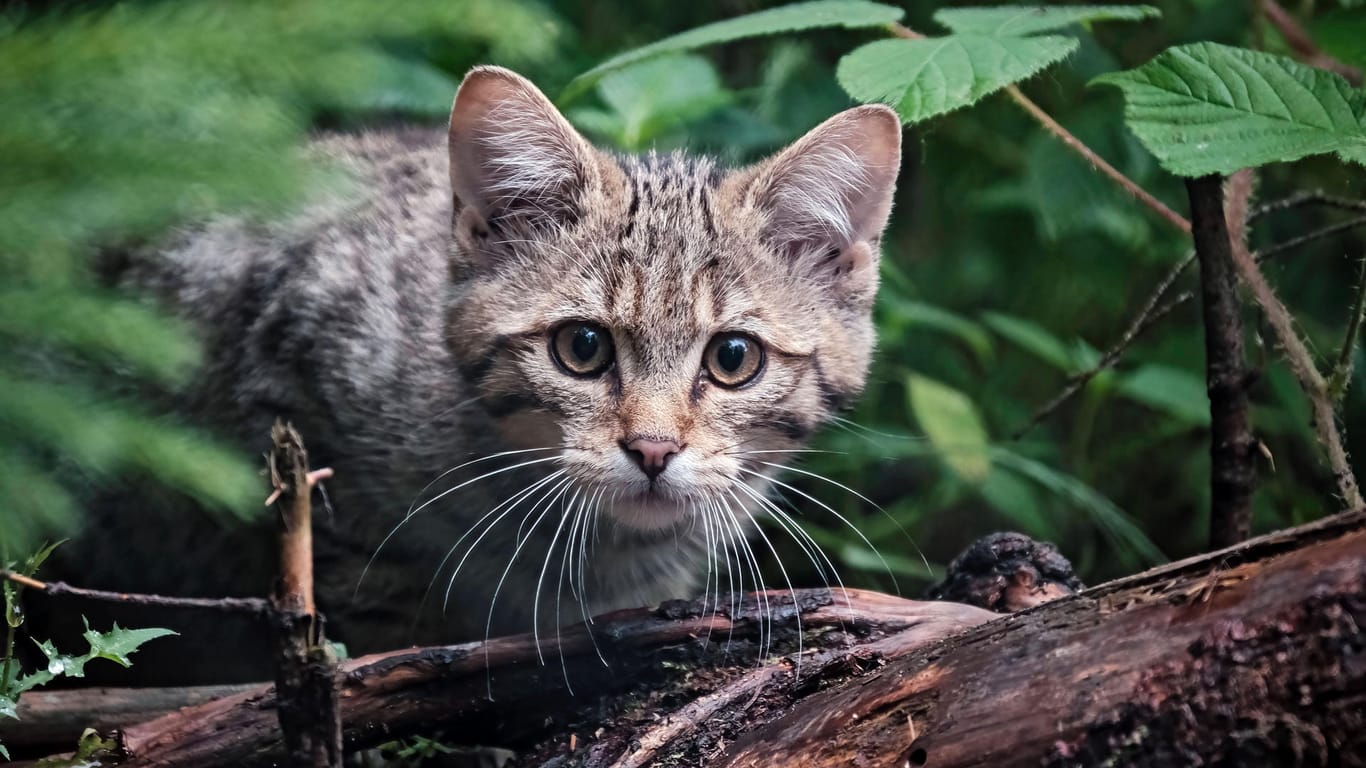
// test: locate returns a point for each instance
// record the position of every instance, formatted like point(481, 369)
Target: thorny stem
point(1342, 372)
point(1305, 369)
point(1152, 312)
point(1076, 145)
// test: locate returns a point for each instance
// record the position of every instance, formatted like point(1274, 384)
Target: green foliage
point(950, 421)
point(1207, 108)
point(645, 100)
point(121, 123)
point(115, 645)
point(1029, 20)
point(991, 49)
point(931, 76)
point(816, 14)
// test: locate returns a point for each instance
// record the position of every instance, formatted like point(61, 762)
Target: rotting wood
point(448, 687)
point(1241, 655)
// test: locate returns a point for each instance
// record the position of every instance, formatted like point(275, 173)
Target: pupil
point(585, 343)
point(731, 354)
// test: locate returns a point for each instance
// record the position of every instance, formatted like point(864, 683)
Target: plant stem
point(1078, 146)
point(1232, 447)
point(1342, 372)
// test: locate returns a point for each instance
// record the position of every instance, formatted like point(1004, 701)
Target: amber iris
point(733, 359)
point(582, 348)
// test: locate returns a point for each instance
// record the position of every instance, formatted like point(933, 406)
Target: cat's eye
point(733, 359)
point(582, 349)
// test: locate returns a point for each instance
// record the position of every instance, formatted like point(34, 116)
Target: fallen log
point(1254, 655)
point(1250, 655)
point(512, 691)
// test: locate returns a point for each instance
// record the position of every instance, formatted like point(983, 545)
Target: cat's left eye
point(733, 359)
point(582, 349)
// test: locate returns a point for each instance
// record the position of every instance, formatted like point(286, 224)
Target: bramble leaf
point(1207, 108)
point(926, 77)
point(849, 14)
point(1019, 21)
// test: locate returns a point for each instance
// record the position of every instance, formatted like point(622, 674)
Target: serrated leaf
point(931, 76)
point(951, 422)
point(1018, 21)
point(849, 14)
point(116, 644)
point(1173, 391)
point(1207, 108)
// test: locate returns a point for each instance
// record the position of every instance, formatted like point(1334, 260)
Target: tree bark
point(1248, 656)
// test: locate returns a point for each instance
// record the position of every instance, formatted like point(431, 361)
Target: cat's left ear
point(516, 163)
point(826, 197)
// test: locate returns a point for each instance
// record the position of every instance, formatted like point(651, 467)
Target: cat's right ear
point(517, 166)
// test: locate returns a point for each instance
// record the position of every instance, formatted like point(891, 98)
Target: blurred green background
point(1009, 264)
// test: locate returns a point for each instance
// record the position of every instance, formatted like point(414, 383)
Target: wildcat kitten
point(613, 353)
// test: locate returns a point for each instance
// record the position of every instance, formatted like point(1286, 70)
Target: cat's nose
point(651, 454)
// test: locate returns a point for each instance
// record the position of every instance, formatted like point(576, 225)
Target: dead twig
point(250, 605)
point(305, 676)
point(1153, 310)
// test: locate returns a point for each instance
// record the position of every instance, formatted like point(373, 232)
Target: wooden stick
point(1233, 452)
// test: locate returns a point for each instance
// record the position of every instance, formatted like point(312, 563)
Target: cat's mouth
point(651, 509)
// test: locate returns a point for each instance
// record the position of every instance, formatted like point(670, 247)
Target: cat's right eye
point(582, 349)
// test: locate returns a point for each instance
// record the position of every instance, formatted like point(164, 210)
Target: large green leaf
point(1174, 391)
point(952, 424)
point(1207, 108)
point(850, 14)
point(930, 76)
point(1026, 20)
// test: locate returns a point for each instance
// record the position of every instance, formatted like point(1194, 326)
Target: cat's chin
point(649, 512)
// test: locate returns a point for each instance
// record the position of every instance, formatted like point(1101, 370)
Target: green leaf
point(849, 14)
point(9, 708)
point(116, 644)
point(1207, 108)
point(931, 76)
point(952, 424)
point(647, 98)
point(1173, 391)
point(1033, 338)
point(1019, 21)
point(859, 556)
point(919, 314)
point(1128, 537)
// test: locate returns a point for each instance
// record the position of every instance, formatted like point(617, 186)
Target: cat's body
point(572, 319)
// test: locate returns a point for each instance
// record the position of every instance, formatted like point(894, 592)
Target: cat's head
point(672, 326)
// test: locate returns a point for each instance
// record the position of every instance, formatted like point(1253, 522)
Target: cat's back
point(337, 306)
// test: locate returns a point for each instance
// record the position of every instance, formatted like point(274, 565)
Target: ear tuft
point(514, 159)
point(828, 195)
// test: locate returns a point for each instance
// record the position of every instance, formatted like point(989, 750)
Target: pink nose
point(650, 453)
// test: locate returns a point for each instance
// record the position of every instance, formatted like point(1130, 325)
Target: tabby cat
point(566, 374)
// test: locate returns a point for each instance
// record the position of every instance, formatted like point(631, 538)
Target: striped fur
point(406, 331)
